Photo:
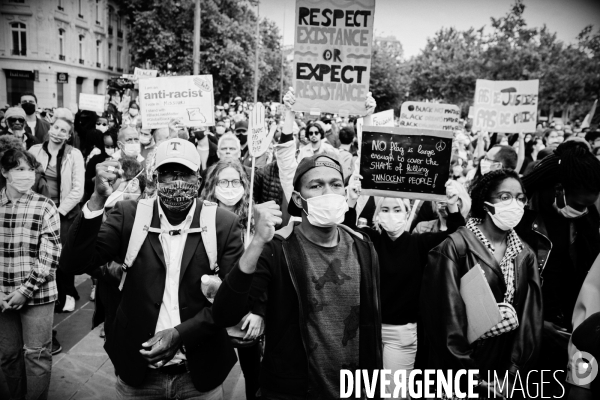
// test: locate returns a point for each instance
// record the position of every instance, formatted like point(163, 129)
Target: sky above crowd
point(412, 22)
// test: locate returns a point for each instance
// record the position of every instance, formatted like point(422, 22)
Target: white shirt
point(32, 125)
point(172, 246)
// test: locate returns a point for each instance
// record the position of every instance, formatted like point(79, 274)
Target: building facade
point(59, 49)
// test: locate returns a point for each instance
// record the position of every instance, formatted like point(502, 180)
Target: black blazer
point(91, 243)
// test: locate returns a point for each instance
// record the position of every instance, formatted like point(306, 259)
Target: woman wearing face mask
point(132, 115)
point(64, 169)
point(30, 229)
point(562, 226)
point(227, 185)
point(441, 209)
point(509, 268)
point(402, 257)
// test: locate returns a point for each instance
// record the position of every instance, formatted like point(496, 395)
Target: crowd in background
point(527, 204)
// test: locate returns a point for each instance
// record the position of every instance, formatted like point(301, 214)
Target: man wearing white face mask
point(129, 145)
point(317, 272)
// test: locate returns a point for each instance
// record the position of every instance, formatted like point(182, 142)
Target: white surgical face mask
point(392, 222)
point(110, 152)
point(102, 128)
point(506, 216)
point(21, 181)
point(220, 130)
point(133, 112)
point(326, 210)
point(569, 212)
point(145, 140)
point(229, 196)
point(132, 149)
point(485, 165)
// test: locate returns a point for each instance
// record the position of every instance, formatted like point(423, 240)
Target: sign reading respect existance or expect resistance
point(443, 117)
point(189, 99)
point(332, 55)
point(505, 106)
point(405, 162)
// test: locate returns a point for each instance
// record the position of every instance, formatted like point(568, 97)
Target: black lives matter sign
point(405, 162)
point(332, 55)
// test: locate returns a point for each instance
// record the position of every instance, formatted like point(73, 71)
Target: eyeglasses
point(311, 133)
point(507, 198)
point(224, 183)
point(170, 176)
point(16, 120)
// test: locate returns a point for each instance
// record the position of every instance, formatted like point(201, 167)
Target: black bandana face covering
point(177, 195)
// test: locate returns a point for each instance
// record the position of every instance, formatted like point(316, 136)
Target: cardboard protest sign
point(332, 55)
point(405, 162)
point(259, 136)
point(91, 102)
point(187, 98)
point(144, 73)
point(384, 118)
point(443, 117)
point(505, 106)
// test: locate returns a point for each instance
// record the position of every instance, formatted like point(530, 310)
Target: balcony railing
point(110, 68)
point(98, 23)
point(61, 57)
point(120, 34)
point(119, 69)
point(61, 8)
point(110, 30)
point(80, 61)
point(19, 52)
point(80, 16)
point(98, 65)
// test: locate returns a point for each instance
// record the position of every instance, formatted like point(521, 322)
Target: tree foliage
point(161, 33)
point(389, 78)
point(453, 60)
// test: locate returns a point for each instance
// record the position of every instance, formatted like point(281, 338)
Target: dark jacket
point(444, 314)
point(41, 130)
point(213, 158)
point(280, 274)
point(268, 184)
point(91, 243)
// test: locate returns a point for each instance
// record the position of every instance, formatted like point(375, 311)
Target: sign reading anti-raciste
point(332, 55)
point(405, 162)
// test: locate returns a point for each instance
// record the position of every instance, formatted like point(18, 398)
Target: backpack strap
point(141, 226)
point(208, 216)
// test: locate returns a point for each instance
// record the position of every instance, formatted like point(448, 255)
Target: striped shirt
point(30, 242)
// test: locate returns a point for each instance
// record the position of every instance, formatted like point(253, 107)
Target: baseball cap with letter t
point(178, 151)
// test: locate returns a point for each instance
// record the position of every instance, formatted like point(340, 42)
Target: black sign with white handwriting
point(404, 162)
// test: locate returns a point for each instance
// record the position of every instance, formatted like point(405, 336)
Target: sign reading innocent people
point(332, 55)
point(505, 106)
point(405, 162)
point(187, 98)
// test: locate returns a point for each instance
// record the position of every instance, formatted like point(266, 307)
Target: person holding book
point(509, 267)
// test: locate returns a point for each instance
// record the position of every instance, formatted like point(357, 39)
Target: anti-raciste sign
point(405, 162)
point(187, 98)
point(444, 117)
point(505, 106)
point(332, 55)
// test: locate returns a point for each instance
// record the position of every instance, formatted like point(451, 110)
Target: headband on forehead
point(328, 164)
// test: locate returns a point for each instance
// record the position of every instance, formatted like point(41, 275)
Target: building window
point(98, 12)
point(19, 39)
point(110, 18)
point(61, 44)
point(109, 55)
point(98, 53)
point(81, 37)
point(60, 5)
point(119, 48)
point(60, 94)
point(79, 8)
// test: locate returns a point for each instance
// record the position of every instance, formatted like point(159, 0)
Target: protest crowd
point(208, 245)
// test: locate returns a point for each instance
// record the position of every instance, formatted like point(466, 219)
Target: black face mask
point(200, 134)
point(29, 108)
point(243, 138)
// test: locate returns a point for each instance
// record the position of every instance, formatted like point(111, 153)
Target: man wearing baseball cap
point(164, 332)
point(322, 281)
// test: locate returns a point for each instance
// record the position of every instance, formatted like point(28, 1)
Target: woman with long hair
point(227, 185)
point(508, 267)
